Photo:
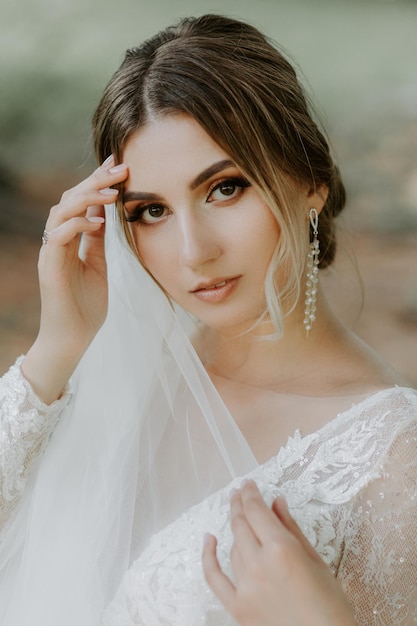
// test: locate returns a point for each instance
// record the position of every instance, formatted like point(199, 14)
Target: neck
point(320, 363)
point(250, 358)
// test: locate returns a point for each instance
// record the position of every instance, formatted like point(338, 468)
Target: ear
point(316, 197)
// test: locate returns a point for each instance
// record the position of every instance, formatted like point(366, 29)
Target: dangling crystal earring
point(312, 273)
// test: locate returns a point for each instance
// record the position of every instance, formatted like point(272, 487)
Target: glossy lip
point(208, 292)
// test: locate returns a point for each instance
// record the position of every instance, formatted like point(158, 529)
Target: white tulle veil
point(144, 437)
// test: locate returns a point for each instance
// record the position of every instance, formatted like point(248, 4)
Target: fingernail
point(206, 538)
point(282, 503)
point(96, 220)
point(118, 168)
point(233, 492)
point(107, 191)
point(110, 159)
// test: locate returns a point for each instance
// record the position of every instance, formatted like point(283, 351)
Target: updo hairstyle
point(241, 89)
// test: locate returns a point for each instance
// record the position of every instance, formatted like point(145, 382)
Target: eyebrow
point(198, 180)
point(140, 195)
point(210, 171)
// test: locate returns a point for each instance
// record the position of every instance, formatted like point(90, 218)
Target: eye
point(148, 214)
point(154, 211)
point(227, 189)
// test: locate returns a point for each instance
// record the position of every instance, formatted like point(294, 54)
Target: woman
point(226, 193)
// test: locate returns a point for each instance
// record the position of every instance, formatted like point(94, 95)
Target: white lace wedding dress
point(351, 486)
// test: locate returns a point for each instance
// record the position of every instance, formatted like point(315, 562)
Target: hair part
point(245, 94)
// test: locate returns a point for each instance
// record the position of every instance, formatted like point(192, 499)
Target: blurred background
point(358, 61)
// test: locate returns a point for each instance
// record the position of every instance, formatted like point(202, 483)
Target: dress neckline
point(343, 415)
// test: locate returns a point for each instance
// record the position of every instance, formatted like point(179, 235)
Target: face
point(200, 228)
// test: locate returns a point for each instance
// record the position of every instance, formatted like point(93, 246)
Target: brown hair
point(239, 87)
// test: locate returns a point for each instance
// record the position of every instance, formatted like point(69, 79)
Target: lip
point(216, 290)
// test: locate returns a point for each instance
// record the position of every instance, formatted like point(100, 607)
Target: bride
point(186, 344)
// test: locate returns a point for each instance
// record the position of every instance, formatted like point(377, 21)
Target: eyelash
point(235, 181)
point(136, 214)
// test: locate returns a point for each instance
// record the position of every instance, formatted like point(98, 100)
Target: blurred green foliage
point(358, 59)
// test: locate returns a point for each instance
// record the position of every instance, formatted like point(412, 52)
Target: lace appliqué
point(25, 424)
point(351, 488)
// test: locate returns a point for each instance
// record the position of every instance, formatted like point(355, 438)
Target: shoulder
point(400, 406)
point(360, 444)
point(395, 407)
point(392, 416)
point(387, 416)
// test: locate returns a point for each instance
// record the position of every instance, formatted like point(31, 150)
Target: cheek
point(265, 237)
point(156, 259)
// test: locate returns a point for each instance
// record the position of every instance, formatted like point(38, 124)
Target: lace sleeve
point(25, 423)
point(379, 565)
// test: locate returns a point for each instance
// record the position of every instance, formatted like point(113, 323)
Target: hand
point(279, 579)
point(73, 283)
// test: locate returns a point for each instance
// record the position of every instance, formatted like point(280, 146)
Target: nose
point(198, 241)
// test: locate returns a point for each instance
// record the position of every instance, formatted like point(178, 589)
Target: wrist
point(48, 370)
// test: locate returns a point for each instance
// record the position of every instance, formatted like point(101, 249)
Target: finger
point(245, 539)
point(218, 582)
point(77, 204)
point(92, 243)
point(109, 162)
point(262, 520)
point(95, 211)
point(69, 233)
point(94, 190)
point(245, 549)
point(280, 509)
point(107, 174)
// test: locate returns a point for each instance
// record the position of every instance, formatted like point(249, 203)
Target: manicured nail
point(107, 191)
point(110, 159)
point(118, 168)
point(96, 219)
point(233, 492)
point(282, 503)
point(207, 537)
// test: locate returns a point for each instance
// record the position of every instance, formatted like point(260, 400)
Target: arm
point(25, 424)
point(279, 578)
point(73, 283)
point(73, 287)
point(379, 566)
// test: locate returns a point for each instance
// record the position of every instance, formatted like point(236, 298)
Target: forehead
point(173, 145)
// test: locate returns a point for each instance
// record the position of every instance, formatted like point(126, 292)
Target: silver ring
point(45, 237)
